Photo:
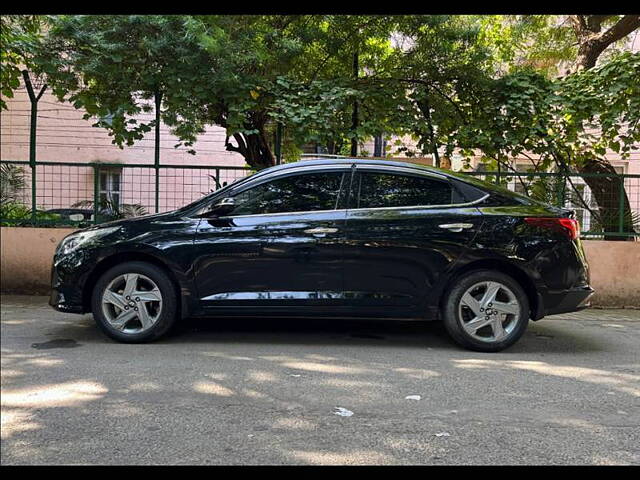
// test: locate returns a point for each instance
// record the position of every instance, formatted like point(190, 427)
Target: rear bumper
point(566, 301)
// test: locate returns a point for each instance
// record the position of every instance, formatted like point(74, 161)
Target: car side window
point(376, 189)
point(297, 193)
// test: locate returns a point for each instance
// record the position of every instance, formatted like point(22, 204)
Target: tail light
point(569, 226)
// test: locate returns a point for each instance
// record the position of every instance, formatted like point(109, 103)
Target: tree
point(238, 72)
point(115, 66)
point(564, 123)
point(18, 37)
point(441, 67)
point(324, 101)
point(492, 84)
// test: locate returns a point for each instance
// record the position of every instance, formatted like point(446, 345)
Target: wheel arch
point(118, 258)
point(503, 266)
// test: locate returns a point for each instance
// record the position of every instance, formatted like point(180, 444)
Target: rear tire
point(485, 311)
point(134, 302)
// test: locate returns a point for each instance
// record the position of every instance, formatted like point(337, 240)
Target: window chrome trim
point(424, 207)
point(426, 173)
point(283, 173)
point(285, 213)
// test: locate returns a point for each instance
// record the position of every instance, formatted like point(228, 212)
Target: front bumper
point(58, 301)
point(68, 276)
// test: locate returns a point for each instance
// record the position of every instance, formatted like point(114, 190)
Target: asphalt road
point(265, 392)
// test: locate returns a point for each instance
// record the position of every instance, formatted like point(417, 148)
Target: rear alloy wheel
point(486, 311)
point(134, 302)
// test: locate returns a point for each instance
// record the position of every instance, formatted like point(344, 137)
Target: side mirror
point(223, 207)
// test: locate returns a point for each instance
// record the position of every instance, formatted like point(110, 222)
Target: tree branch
point(241, 148)
point(439, 92)
point(621, 29)
point(594, 22)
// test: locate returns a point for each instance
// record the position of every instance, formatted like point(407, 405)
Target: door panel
point(394, 256)
point(274, 259)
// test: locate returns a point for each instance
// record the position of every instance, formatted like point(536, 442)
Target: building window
point(110, 182)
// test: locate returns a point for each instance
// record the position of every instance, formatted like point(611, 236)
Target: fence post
point(278, 146)
point(157, 202)
point(33, 191)
point(621, 206)
point(33, 98)
point(563, 188)
point(156, 163)
point(217, 178)
point(96, 192)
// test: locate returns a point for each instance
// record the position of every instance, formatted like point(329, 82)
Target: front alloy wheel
point(134, 302)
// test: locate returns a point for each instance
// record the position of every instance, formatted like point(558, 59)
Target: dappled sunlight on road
point(15, 421)
point(348, 457)
point(226, 356)
point(253, 393)
point(325, 368)
point(295, 424)
point(212, 388)
point(261, 376)
point(418, 373)
point(66, 394)
point(620, 381)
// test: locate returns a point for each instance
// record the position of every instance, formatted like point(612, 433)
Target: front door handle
point(456, 227)
point(320, 231)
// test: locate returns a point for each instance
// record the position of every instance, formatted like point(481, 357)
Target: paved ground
point(248, 392)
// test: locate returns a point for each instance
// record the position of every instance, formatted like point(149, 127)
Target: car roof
point(348, 161)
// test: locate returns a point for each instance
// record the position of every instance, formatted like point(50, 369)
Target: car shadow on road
point(541, 337)
point(311, 331)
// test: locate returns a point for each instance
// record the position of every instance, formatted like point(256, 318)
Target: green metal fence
point(71, 193)
point(76, 194)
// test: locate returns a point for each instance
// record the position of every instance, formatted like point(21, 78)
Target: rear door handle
point(320, 231)
point(456, 227)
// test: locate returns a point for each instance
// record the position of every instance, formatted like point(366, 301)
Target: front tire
point(485, 311)
point(134, 302)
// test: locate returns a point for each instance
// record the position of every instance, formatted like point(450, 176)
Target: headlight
point(75, 240)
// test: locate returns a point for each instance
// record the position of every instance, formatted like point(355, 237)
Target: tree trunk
point(260, 154)
point(607, 193)
point(425, 108)
point(354, 115)
point(254, 148)
point(588, 54)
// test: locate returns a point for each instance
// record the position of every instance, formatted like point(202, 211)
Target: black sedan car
point(340, 238)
